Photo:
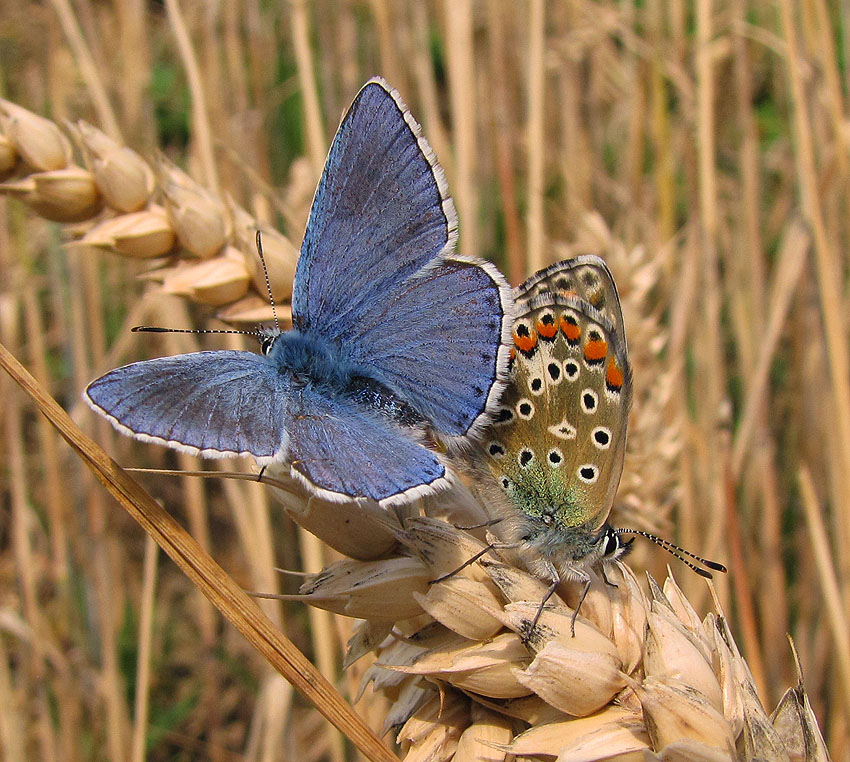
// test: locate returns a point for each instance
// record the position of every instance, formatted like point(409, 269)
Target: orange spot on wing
point(595, 350)
point(571, 330)
point(547, 330)
point(525, 343)
point(613, 376)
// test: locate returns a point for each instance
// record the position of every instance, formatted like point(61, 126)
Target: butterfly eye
point(601, 437)
point(613, 546)
point(589, 401)
point(588, 473)
point(266, 343)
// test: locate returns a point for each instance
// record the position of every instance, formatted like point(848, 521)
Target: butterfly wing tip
point(88, 399)
point(377, 79)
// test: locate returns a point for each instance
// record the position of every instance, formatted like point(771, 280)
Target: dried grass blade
point(204, 572)
point(830, 591)
point(792, 258)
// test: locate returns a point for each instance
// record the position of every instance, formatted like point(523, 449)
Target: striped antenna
point(268, 282)
point(678, 552)
point(158, 329)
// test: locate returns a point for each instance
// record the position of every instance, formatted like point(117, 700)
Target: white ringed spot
point(525, 409)
point(503, 416)
point(571, 370)
point(589, 401)
point(555, 457)
point(601, 437)
point(525, 457)
point(496, 450)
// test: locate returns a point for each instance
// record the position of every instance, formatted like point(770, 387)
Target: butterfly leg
point(490, 523)
point(549, 593)
point(469, 561)
point(582, 577)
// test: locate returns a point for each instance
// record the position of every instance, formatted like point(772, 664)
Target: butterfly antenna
point(678, 552)
point(157, 329)
point(268, 282)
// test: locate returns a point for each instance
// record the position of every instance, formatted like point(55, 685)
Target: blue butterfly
point(395, 338)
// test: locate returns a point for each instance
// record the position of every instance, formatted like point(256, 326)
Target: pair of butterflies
point(396, 339)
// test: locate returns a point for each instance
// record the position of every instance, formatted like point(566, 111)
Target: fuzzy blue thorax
point(312, 360)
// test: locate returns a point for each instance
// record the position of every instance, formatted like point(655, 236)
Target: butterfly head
point(613, 544)
point(267, 336)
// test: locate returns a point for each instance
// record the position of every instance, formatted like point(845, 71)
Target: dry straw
point(644, 677)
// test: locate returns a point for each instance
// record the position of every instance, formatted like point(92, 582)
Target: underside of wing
point(558, 444)
point(586, 277)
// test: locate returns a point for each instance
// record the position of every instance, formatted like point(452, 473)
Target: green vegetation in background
point(170, 98)
point(286, 121)
point(167, 716)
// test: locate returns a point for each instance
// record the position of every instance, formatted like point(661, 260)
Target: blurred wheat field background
point(700, 148)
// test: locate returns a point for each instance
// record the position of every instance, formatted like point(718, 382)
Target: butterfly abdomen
point(374, 395)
